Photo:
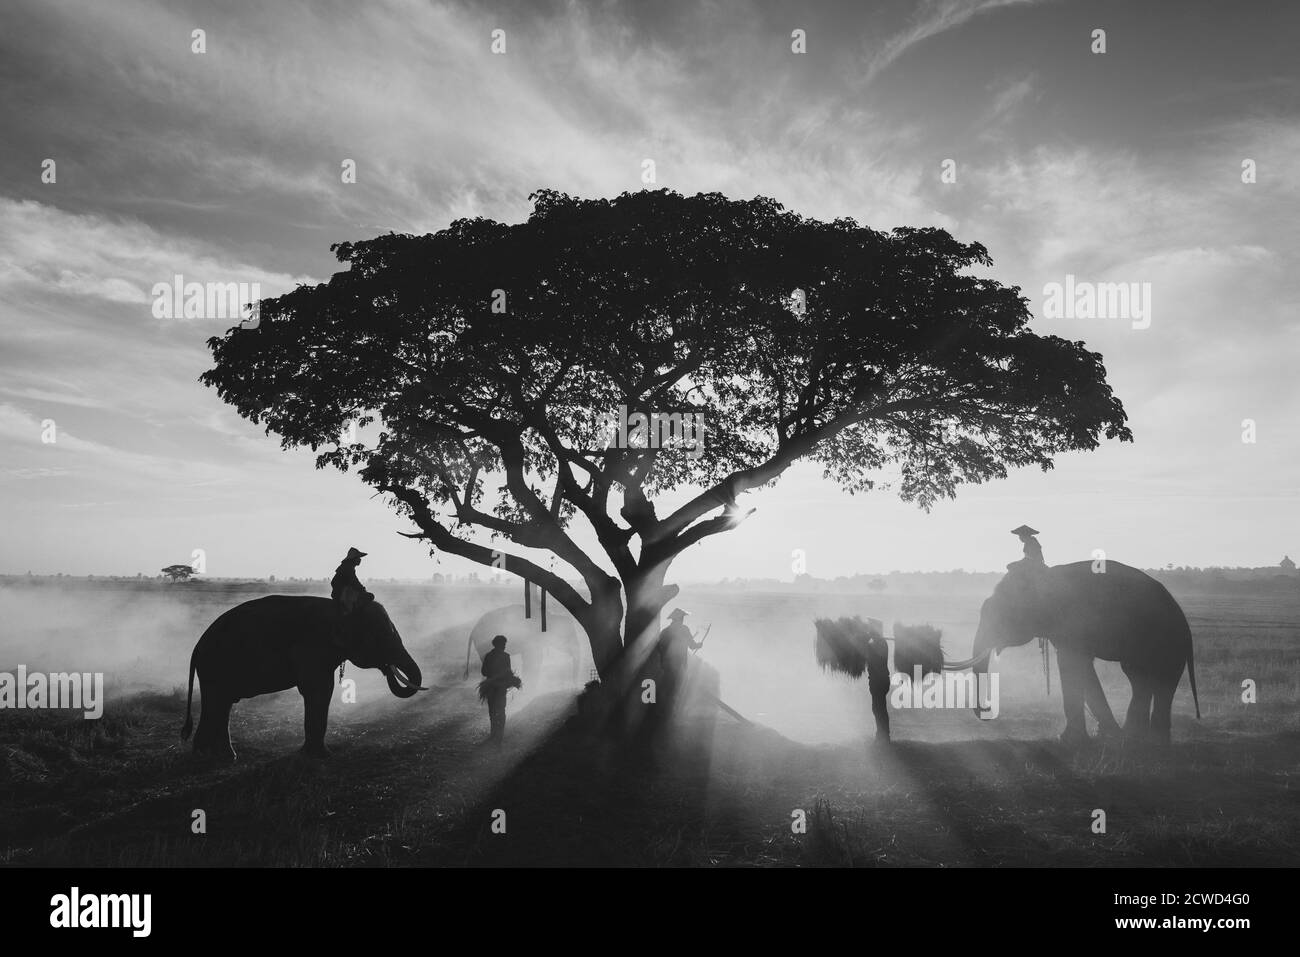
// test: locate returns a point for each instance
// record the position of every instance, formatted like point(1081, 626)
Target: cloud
point(32, 473)
point(440, 128)
point(20, 428)
point(45, 250)
point(931, 18)
point(225, 167)
point(1010, 97)
point(68, 394)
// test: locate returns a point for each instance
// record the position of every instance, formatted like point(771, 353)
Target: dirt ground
point(413, 783)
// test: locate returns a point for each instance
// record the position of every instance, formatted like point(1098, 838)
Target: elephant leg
point(1137, 723)
point(1095, 697)
point(213, 734)
point(207, 708)
point(1162, 711)
point(316, 706)
point(1073, 666)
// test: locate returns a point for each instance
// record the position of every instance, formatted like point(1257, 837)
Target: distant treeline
point(282, 584)
point(1241, 581)
point(1269, 580)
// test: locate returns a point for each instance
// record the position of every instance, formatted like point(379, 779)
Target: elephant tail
point(189, 702)
point(1191, 678)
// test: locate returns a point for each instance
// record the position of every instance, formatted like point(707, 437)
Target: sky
point(1116, 166)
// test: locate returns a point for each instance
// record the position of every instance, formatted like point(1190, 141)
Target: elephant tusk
point(396, 674)
point(968, 663)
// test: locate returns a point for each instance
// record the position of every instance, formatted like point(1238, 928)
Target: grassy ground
point(122, 792)
point(412, 783)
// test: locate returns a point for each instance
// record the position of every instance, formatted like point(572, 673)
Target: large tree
point(489, 352)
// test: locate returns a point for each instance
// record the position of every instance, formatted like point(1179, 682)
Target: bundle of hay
point(845, 644)
point(488, 685)
point(917, 645)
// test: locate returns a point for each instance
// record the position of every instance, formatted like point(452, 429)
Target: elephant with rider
point(1090, 611)
point(289, 641)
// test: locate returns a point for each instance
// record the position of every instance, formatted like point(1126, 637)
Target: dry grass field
point(412, 782)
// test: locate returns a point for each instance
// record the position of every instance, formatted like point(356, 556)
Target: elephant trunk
point(978, 663)
point(979, 668)
point(403, 676)
point(984, 647)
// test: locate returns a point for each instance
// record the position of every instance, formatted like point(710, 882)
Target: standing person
point(878, 683)
point(498, 679)
point(345, 587)
point(676, 642)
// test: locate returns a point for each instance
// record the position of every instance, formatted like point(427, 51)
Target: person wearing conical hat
point(345, 587)
point(1033, 550)
point(676, 642)
point(1033, 562)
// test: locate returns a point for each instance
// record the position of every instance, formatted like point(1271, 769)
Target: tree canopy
point(489, 352)
point(178, 572)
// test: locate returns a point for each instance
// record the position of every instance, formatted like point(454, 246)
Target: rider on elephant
point(345, 587)
point(1033, 560)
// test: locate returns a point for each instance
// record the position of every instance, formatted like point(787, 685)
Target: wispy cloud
point(47, 250)
point(225, 166)
point(931, 18)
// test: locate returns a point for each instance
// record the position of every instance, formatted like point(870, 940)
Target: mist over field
point(140, 636)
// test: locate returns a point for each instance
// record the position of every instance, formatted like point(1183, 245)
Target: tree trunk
point(646, 597)
point(623, 638)
point(601, 623)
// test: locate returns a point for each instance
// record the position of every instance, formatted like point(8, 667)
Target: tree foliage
point(896, 357)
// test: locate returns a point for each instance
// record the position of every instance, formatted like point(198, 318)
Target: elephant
point(526, 639)
point(284, 641)
point(1115, 613)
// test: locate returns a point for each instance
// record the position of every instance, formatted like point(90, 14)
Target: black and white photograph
point(652, 435)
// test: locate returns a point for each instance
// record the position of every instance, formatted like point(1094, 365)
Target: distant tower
point(1286, 564)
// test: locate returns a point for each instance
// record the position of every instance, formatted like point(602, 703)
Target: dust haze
point(140, 635)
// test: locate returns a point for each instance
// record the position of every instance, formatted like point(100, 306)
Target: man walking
point(498, 679)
